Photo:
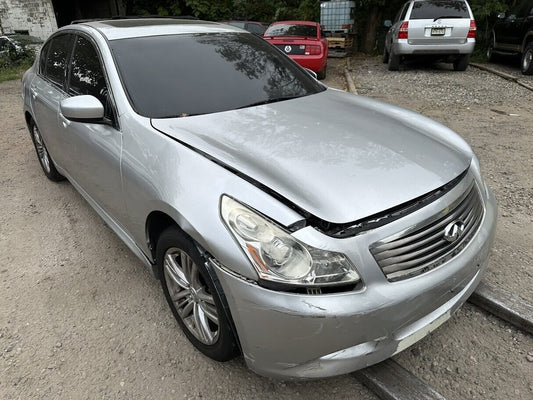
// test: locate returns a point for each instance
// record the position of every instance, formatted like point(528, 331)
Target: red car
point(303, 42)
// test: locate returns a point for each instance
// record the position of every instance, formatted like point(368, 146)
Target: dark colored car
point(302, 41)
point(513, 35)
point(254, 27)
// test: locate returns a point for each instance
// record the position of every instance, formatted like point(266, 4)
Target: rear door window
point(57, 58)
point(439, 9)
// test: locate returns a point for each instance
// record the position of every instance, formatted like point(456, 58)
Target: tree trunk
point(371, 26)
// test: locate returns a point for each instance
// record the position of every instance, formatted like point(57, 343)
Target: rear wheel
point(527, 60)
point(394, 61)
point(461, 63)
point(45, 160)
point(322, 74)
point(192, 296)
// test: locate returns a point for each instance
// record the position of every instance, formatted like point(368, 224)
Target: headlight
point(279, 257)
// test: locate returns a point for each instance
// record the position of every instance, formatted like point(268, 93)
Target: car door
point(47, 90)
point(93, 161)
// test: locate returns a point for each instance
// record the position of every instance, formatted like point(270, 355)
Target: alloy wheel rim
point(191, 296)
point(528, 57)
point(42, 153)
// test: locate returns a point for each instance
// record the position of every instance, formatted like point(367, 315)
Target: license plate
point(415, 337)
point(438, 31)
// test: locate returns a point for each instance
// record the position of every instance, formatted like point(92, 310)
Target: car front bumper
point(287, 335)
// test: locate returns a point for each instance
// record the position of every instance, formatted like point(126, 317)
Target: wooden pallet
point(340, 43)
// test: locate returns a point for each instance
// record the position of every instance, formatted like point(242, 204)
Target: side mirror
point(311, 72)
point(82, 109)
point(387, 23)
point(501, 15)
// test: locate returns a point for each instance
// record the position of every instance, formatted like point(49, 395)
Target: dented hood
point(339, 157)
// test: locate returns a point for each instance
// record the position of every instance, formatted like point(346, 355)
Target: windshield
point(438, 9)
point(182, 75)
point(291, 30)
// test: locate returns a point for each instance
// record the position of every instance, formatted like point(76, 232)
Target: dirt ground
point(80, 317)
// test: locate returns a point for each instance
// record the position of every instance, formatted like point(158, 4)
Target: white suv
point(441, 29)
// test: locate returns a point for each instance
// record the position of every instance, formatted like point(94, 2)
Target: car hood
point(339, 157)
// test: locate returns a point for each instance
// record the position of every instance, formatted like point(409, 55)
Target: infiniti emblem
point(288, 49)
point(454, 230)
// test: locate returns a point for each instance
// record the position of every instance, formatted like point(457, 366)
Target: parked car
point(513, 35)
point(436, 29)
point(302, 41)
point(315, 231)
point(15, 45)
point(251, 26)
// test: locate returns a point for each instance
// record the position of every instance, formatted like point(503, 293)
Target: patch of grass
point(14, 71)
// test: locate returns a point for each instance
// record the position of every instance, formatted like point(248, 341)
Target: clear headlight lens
point(278, 256)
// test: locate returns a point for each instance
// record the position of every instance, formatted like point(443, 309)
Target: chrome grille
point(424, 246)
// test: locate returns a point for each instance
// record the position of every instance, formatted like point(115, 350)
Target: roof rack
point(188, 17)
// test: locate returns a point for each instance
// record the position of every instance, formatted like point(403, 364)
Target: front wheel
point(461, 63)
point(490, 51)
point(45, 160)
point(192, 296)
point(527, 60)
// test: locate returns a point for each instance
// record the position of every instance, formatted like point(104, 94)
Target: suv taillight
point(472, 30)
point(403, 33)
point(312, 50)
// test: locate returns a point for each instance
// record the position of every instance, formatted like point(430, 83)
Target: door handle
point(64, 120)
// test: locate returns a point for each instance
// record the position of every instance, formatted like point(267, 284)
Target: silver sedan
point(310, 230)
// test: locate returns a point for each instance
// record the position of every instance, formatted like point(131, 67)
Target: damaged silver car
point(312, 231)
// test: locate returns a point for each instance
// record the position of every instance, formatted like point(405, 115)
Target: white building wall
point(35, 16)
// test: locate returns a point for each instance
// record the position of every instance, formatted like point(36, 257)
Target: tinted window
point(180, 75)
point(255, 28)
point(435, 9)
point(291, 30)
point(56, 58)
point(236, 24)
point(86, 74)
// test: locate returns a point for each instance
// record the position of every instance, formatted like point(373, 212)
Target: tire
point(461, 63)
point(45, 160)
point(192, 296)
point(385, 58)
point(394, 61)
point(322, 74)
point(490, 51)
point(526, 65)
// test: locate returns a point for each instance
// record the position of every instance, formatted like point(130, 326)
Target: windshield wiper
point(268, 101)
point(447, 16)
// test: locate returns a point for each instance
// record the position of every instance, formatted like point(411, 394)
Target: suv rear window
point(292, 30)
point(439, 9)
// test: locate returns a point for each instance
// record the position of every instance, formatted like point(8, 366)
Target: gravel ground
point(80, 317)
point(475, 355)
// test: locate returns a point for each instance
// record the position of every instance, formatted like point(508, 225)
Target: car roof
point(114, 29)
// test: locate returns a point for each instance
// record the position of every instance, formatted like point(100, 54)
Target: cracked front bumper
point(289, 335)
